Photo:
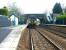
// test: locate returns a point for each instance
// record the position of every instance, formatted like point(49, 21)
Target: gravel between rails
point(58, 41)
point(41, 43)
point(56, 30)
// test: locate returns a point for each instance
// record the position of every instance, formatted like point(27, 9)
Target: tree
point(14, 10)
point(4, 11)
point(57, 8)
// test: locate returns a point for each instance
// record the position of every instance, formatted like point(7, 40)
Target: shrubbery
point(4, 11)
point(62, 18)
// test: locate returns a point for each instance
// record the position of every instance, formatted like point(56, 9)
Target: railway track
point(58, 41)
point(39, 42)
point(41, 39)
point(57, 30)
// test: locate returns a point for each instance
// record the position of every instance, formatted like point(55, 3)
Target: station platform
point(55, 24)
point(9, 37)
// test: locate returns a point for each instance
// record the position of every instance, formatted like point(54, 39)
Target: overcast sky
point(33, 6)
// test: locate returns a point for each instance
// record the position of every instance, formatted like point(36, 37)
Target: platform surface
point(9, 37)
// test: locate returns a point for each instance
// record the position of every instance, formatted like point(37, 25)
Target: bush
point(61, 18)
point(4, 11)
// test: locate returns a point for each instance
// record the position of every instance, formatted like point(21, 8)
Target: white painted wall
point(14, 19)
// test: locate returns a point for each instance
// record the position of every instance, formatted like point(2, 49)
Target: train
point(32, 23)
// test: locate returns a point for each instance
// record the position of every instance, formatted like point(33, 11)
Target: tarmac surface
point(9, 37)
